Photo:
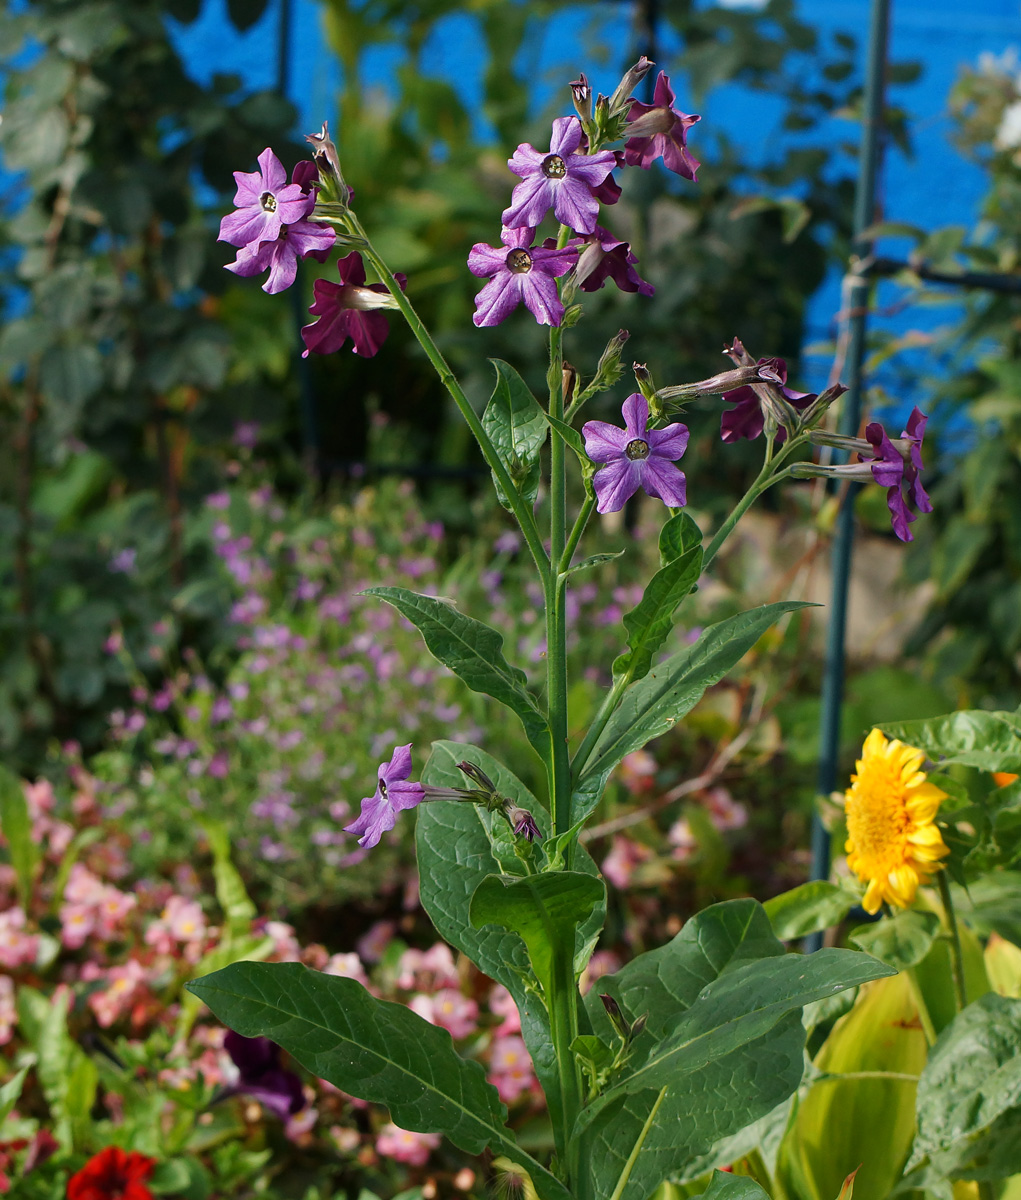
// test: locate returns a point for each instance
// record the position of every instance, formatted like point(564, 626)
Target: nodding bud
point(582, 94)
point(621, 98)
point(773, 370)
point(328, 161)
point(617, 1018)
point(523, 823)
point(738, 354)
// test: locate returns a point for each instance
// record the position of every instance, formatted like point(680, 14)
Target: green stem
point(563, 1013)
point(924, 1016)
point(576, 532)
point(559, 768)
point(447, 377)
point(636, 1149)
point(841, 1075)
point(956, 955)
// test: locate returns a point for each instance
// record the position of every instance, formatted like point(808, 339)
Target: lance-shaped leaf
point(990, 741)
point(713, 1102)
point(739, 1007)
point(680, 544)
point(969, 1094)
point(457, 848)
point(670, 690)
point(517, 428)
point(545, 911)
point(374, 1049)
point(474, 652)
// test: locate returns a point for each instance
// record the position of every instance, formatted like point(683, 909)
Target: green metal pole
point(869, 159)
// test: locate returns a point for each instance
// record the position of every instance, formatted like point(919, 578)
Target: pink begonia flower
point(625, 855)
point(77, 921)
point(501, 1004)
point(112, 907)
point(427, 969)
point(286, 947)
point(82, 886)
point(405, 1146)
point(348, 966)
point(510, 1068)
point(682, 838)
point(8, 1009)
point(638, 772)
point(724, 811)
point(455, 1013)
point(298, 1127)
point(603, 962)
point(17, 948)
point(125, 980)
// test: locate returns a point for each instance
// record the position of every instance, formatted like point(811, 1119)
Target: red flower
point(112, 1174)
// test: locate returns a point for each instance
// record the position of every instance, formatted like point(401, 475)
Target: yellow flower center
point(876, 819)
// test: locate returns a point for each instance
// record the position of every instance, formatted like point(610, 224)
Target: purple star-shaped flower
point(281, 255)
point(261, 1075)
point(636, 457)
point(898, 470)
point(265, 201)
point(562, 180)
point(348, 309)
point(394, 793)
point(658, 130)
point(521, 274)
point(602, 257)
point(747, 418)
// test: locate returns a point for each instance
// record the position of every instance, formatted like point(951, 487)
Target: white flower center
point(268, 202)
point(637, 449)
point(554, 167)
point(519, 261)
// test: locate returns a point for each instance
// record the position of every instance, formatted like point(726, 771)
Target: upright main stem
point(559, 768)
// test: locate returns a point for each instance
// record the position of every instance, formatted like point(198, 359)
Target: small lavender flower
point(303, 239)
point(658, 130)
point(562, 180)
point(601, 257)
point(348, 310)
point(636, 457)
point(393, 794)
point(520, 274)
point(265, 203)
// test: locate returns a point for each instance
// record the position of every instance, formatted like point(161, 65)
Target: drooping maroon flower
point(601, 257)
point(261, 1075)
point(349, 309)
point(265, 201)
point(520, 274)
point(897, 466)
point(636, 457)
point(394, 793)
point(562, 180)
point(747, 418)
point(112, 1174)
point(658, 130)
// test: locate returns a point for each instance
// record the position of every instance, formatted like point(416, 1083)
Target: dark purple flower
point(393, 794)
point(521, 273)
point(266, 201)
point(896, 466)
point(523, 824)
point(562, 180)
point(349, 309)
point(747, 418)
point(281, 255)
point(261, 1075)
point(658, 130)
point(603, 257)
point(636, 457)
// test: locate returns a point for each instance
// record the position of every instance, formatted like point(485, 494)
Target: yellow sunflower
point(892, 842)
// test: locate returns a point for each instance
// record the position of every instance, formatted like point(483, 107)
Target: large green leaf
point(969, 1094)
point(809, 908)
point(680, 543)
point(517, 428)
point(901, 941)
point(458, 846)
point(374, 1049)
point(725, 1186)
point(670, 690)
point(714, 1101)
point(16, 827)
point(990, 741)
point(740, 1006)
point(544, 910)
point(474, 652)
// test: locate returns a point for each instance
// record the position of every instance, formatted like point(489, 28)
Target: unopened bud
point(821, 403)
point(716, 385)
point(582, 94)
point(645, 382)
point(609, 370)
point(523, 823)
point(478, 777)
point(738, 354)
point(621, 98)
point(328, 161)
point(619, 1022)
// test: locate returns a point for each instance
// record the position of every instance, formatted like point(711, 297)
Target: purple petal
point(900, 513)
point(498, 299)
point(745, 419)
point(526, 160)
point(664, 481)
point(247, 225)
point(635, 411)
point(486, 260)
point(539, 292)
point(551, 261)
point(669, 442)
point(399, 766)
point(566, 137)
point(531, 200)
point(574, 205)
point(274, 177)
point(615, 484)
point(603, 441)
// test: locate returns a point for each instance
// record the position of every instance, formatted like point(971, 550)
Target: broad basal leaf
point(517, 428)
point(670, 690)
point(374, 1049)
point(474, 652)
point(651, 621)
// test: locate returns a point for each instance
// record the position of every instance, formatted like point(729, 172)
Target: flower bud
point(725, 381)
point(582, 95)
point(523, 823)
point(620, 101)
point(328, 162)
point(821, 403)
point(478, 777)
point(644, 381)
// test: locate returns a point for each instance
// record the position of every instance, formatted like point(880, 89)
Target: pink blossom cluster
point(92, 908)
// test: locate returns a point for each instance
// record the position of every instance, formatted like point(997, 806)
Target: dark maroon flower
point(523, 824)
point(747, 418)
point(349, 309)
point(658, 130)
point(897, 466)
point(261, 1075)
point(112, 1174)
point(602, 257)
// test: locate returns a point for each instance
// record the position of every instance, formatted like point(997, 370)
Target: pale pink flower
point(682, 838)
point(299, 1125)
point(455, 1013)
point(125, 980)
point(624, 857)
point(346, 1140)
point(501, 1004)
point(112, 907)
point(638, 771)
point(405, 1146)
point(17, 948)
point(8, 1009)
point(724, 811)
point(510, 1068)
point(430, 969)
point(82, 886)
point(286, 947)
point(603, 962)
point(347, 965)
